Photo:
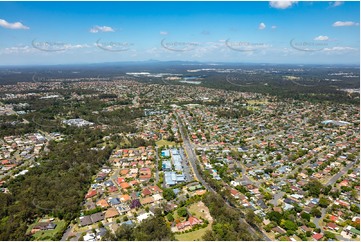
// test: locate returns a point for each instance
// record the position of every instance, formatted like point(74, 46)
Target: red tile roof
point(90, 194)
point(317, 236)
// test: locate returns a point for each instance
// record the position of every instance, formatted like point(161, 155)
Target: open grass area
point(193, 235)
point(257, 102)
point(49, 234)
point(200, 211)
point(164, 143)
point(194, 209)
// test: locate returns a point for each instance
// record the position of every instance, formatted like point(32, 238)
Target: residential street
point(340, 173)
point(276, 197)
point(156, 170)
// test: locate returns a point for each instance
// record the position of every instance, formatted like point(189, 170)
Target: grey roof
point(86, 220)
point(114, 201)
point(96, 217)
point(109, 183)
point(177, 162)
point(172, 178)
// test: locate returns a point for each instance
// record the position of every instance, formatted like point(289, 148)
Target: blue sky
point(258, 32)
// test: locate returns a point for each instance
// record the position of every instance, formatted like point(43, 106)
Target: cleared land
point(49, 234)
point(199, 210)
point(164, 143)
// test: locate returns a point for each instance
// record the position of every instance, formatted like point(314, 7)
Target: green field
point(197, 211)
point(164, 143)
point(257, 102)
point(49, 234)
point(193, 235)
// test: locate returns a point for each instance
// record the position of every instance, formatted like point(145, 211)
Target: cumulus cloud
point(97, 29)
point(16, 25)
point(163, 33)
point(321, 37)
point(344, 23)
point(274, 27)
point(336, 3)
point(261, 26)
point(282, 4)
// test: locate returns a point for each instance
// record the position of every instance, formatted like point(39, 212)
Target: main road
point(192, 157)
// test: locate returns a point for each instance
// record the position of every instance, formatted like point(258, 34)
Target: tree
point(182, 212)
point(324, 202)
point(170, 217)
point(311, 225)
point(268, 196)
point(316, 212)
point(124, 233)
point(314, 188)
point(251, 217)
point(169, 194)
point(354, 208)
point(306, 216)
point(275, 216)
point(330, 235)
point(227, 225)
point(153, 229)
point(289, 225)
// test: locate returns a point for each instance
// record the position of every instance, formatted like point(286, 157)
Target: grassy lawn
point(176, 216)
point(257, 102)
point(164, 143)
point(193, 235)
point(49, 234)
point(85, 228)
point(251, 108)
point(194, 209)
point(199, 211)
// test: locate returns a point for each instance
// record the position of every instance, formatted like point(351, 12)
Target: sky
point(41, 33)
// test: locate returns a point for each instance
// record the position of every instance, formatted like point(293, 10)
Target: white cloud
point(321, 37)
point(282, 4)
point(274, 27)
point(339, 49)
point(17, 50)
point(97, 29)
point(344, 23)
point(336, 3)
point(16, 25)
point(163, 33)
point(76, 46)
point(261, 26)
